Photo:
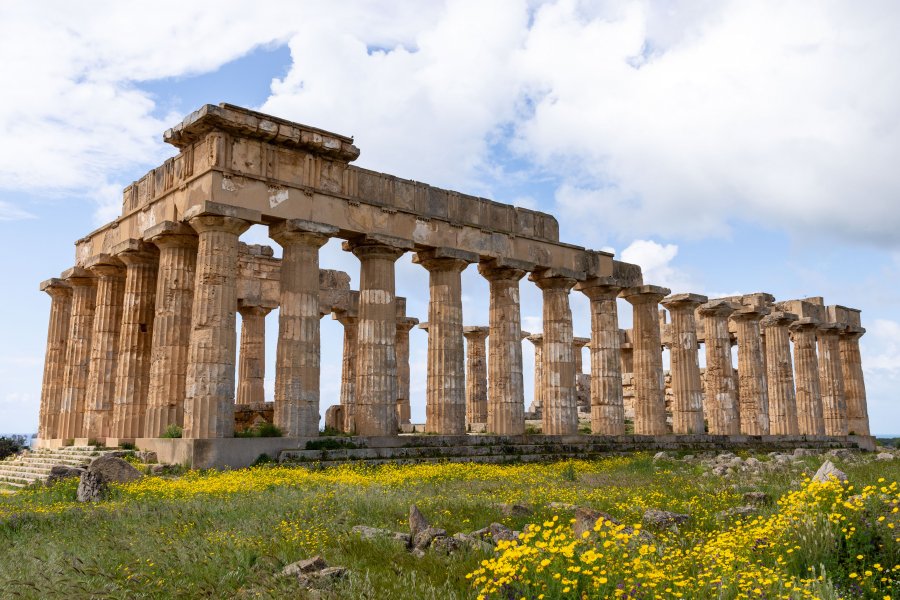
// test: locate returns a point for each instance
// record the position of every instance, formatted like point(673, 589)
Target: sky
point(725, 146)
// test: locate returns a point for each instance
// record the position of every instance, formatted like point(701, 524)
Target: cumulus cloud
point(656, 261)
point(881, 348)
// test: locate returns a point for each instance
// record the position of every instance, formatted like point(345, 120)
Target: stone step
point(441, 451)
point(487, 459)
point(26, 468)
point(34, 460)
point(16, 478)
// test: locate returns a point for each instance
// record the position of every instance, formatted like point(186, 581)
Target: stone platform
point(241, 452)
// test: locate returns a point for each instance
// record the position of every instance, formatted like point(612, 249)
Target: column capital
point(581, 342)
point(56, 287)
point(835, 329)
point(105, 265)
point(252, 309)
point(853, 332)
point(475, 333)
point(234, 225)
point(805, 324)
point(750, 313)
point(599, 291)
point(778, 319)
point(547, 281)
point(405, 324)
point(644, 294)
point(495, 270)
point(298, 231)
point(688, 302)
point(135, 252)
point(536, 338)
point(378, 246)
point(213, 216)
point(717, 308)
point(171, 234)
point(444, 259)
point(524, 335)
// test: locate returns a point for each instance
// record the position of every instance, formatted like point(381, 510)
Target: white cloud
point(11, 212)
point(881, 348)
point(656, 265)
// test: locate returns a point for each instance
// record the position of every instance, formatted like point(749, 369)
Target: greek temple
point(143, 338)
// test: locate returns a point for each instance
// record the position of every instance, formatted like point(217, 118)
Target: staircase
point(24, 469)
point(407, 449)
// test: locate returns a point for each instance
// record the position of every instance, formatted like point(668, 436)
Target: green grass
point(235, 543)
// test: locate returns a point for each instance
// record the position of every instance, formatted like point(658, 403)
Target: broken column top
point(249, 123)
point(475, 330)
point(686, 300)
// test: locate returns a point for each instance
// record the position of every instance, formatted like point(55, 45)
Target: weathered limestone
point(348, 369)
point(720, 399)
point(376, 364)
point(537, 404)
point(780, 373)
point(810, 420)
point(649, 379)
point(578, 345)
point(104, 345)
point(129, 404)
point(831, 379)
point(252, 354)
point(687, 407)
point(209, 383)
point(476, 374)
point(404, 325)
point(854, 383)
point(506, 387)
point(170, 342)
point(52, 387)
point(78, 352)
point(560, 410)
point(445, 396)
point(297, 366)
point(754, 394)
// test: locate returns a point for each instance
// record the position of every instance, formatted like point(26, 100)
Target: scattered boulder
point(828, 470)
point(660, 456)
point(314, 572)
point(375, 533)
point(514, 510)
point(843, 453)
point(688, 458)
point(497, 532)
point(91, 488)
point(884, 456)
point(162, 469)
point(586, 519)
point(60, 472)
point(561, 506)
point(94, 482)
point(804, 452)
point(147, 457)
point(417, 521)
point(309, 565)
point(423, 538)
point(738, 511)
point(663, 518)
point(757, 498)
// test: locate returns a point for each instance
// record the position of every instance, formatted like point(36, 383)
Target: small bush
point(172, 432)
point(265, 430)
point(127, 446)
point(11, 445)
point(263, 459)
point(329, 444)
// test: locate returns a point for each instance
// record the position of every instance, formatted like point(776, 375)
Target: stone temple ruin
point(142, 333)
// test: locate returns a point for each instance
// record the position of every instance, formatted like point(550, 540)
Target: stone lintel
point(581, 342)
point(249, 123)
point(475, 331)
point(216, 209)
point(406, 323)
point(75, 273)
point(683, 301)
point(53, 283)
point(804, 308)
point(778, 318)
point(854, 331)
point(832, 328)
point(301, 226)
point(722, 308)
point(750, 312)
point(541, 275)
point(805, 323)
point(377, 239)
point(843, 314)
point(525, 334)
point(136, 248)
point(168, 228)
point(437, 253)
point(624, 275)
point(423, 325)
point(640, 292)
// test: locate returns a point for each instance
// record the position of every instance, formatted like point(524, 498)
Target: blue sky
point(723, 146)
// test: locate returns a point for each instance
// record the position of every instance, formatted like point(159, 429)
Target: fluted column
point(170, 342)
point(854, 383)
point(297, 360)
point(607, 408)
point(133, 369)
point(810, 420)
point(78, 352)
point(376, 364)
point(780, 373)
point(476, 374)
point(348, 369)
point(687, 407)
point(537, 404)
point(252, 354)
point(560, 415)
point(209, 384)
point(754, 393)
point(506, 388)
point(445, 397)
point(60, 294)
point(578, 345)
point(831, 380)
point(720, 400)
point(404, 325)
point(104, 345)
point(649, 378)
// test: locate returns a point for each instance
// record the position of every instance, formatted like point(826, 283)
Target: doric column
point(780, 373)
point(720, 400)
point(78, 352)
point(404, 325)
point(299, 346)
point(376, 363)
point(348, 368)
point(506, 388)
point(209, 384)
point(560, 415)
point(60, 294)
point(810, 420)
point(649, 378)
point(687, 407)
point(252, 354)
point(104, 345)
point(607, 408)
point(445, 397)
point(537, 404)
point(626, 349)
point(754, 393)
point(170, 342)
point(476, 374)
point(578, 345)
point(133, 369)
point(854, 383)
point(831, 379)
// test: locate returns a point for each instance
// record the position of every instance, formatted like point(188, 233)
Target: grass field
point(229, 534)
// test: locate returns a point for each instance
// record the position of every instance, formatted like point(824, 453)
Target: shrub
point(260, 430)
point(172, 432)
point(11, 445)
point(329, 444)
